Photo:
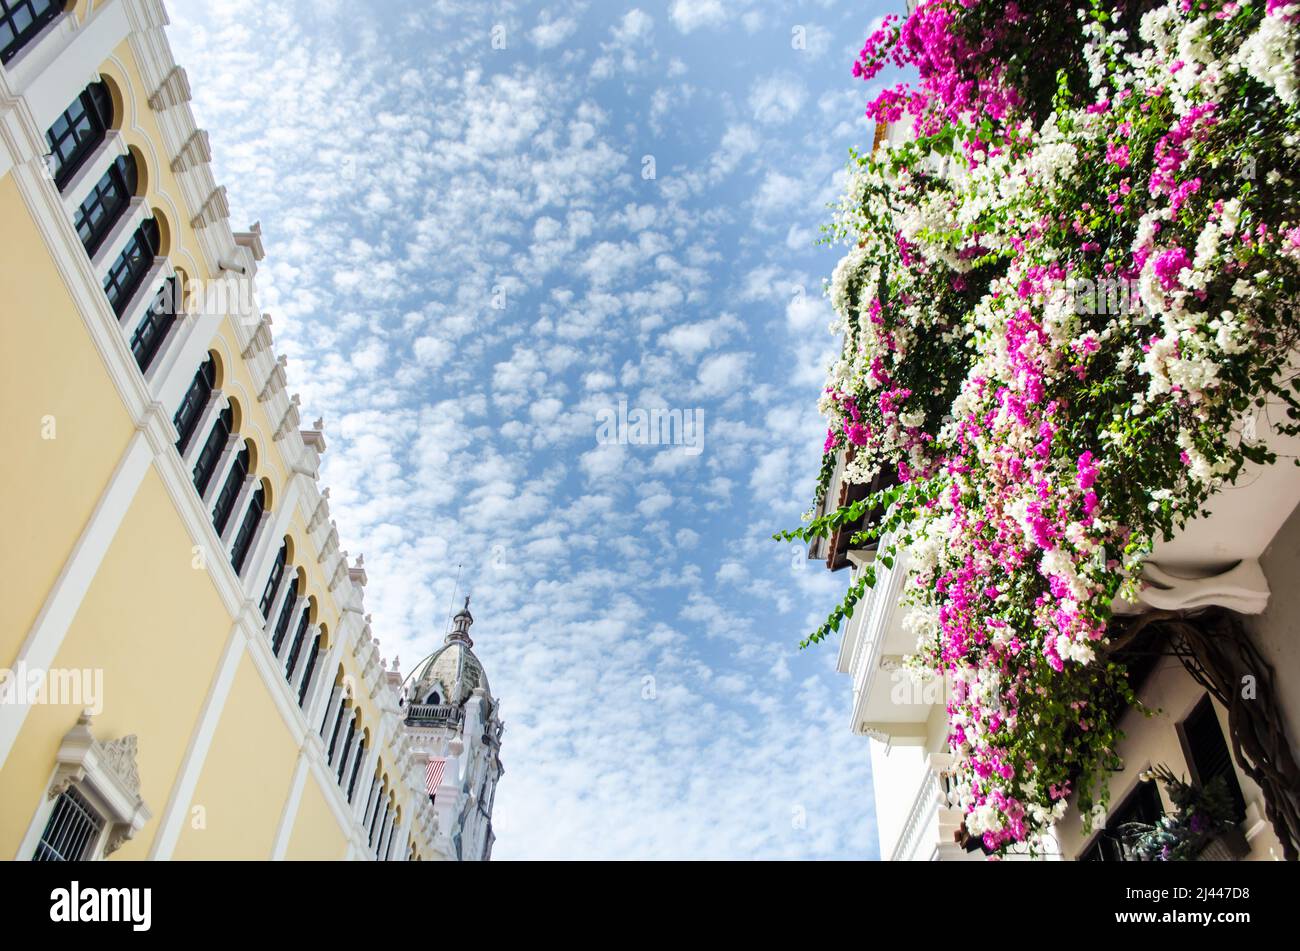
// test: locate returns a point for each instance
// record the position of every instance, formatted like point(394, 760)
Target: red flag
point(433, 774)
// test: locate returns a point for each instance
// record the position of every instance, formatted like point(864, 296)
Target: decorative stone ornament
point(196, 151)
point(108, 770)
point(173, 91)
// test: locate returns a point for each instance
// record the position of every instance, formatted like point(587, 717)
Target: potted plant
point(1202, 826)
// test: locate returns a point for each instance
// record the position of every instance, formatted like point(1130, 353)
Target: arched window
point(155, 326)
point(331, 748)
point(107, 202)
point(296, 648)
point(346, 748)
point(21, 21)
point(225, 503)
point(312, 657)
point(206, 464)
point(128, 272)
point(433, 698)
point(247, 529)
point(273, 582)
point(374, 819)
point(76, 133)
point(190, 411)
point(286, 615)
point(356, 768)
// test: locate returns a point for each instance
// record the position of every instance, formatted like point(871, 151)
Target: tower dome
point(452, 673)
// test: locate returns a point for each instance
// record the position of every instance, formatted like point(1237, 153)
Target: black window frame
point(247, 529)
point(72, 830)
point(295, 648)
point(285, 619)
point(347, 747)
point(78, 131)
point(1207, 752)
point(20, 36)
point(311, 670)
point(356, 768)
point(190, 413)
point(205, 466)
point(273, 581)
point(1142, 804)
point(155, 327)
point(224, 506)
point(106, 203)
point(132, 266)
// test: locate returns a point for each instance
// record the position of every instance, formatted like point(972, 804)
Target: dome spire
point(460, 626)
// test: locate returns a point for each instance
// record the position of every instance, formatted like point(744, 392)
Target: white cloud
point(552, 32)
point(722, 373)
point(777, 99)
point(689, 15)
point(400, 177)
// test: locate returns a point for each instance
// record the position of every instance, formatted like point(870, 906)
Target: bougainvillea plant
point(1069, 317)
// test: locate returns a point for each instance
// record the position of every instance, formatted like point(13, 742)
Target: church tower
point(454, 725)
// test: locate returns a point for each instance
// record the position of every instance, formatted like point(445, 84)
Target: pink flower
point(1169, 266)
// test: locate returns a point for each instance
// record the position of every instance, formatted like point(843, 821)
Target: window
point(311, 669)
point(190, 411)
point(244, 540)
point(21, 21)
point(338, 723)
point(1207, 753)
point(286, 615)
point(106, 203)
point(1141, 805)
point(347, 747)
point(356, 768)
point(230, 491)
point(72, 830)
point(77, 132)
point(296, 649)
point(128, 272)
point(154, 326)
point(433, 699)
point(273, 582)
point(206, 465)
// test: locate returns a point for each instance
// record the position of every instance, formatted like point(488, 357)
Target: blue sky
point(466, 263)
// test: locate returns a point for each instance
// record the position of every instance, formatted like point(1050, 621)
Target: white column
point(216, 403)
point(43, 641)
point(290, 813)
point(220, 474)
point(92, 170)
point(237, 511)
point(134, 215)
point(178, 804)
point(74, 62)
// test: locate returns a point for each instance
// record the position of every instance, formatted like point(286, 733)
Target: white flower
point(1271, 52)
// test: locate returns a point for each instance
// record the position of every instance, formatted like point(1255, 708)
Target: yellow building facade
point(188, 669)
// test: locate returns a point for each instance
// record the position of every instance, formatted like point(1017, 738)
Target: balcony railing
point(435, 713)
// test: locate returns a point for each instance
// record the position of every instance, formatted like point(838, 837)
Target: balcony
point(434, 714)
